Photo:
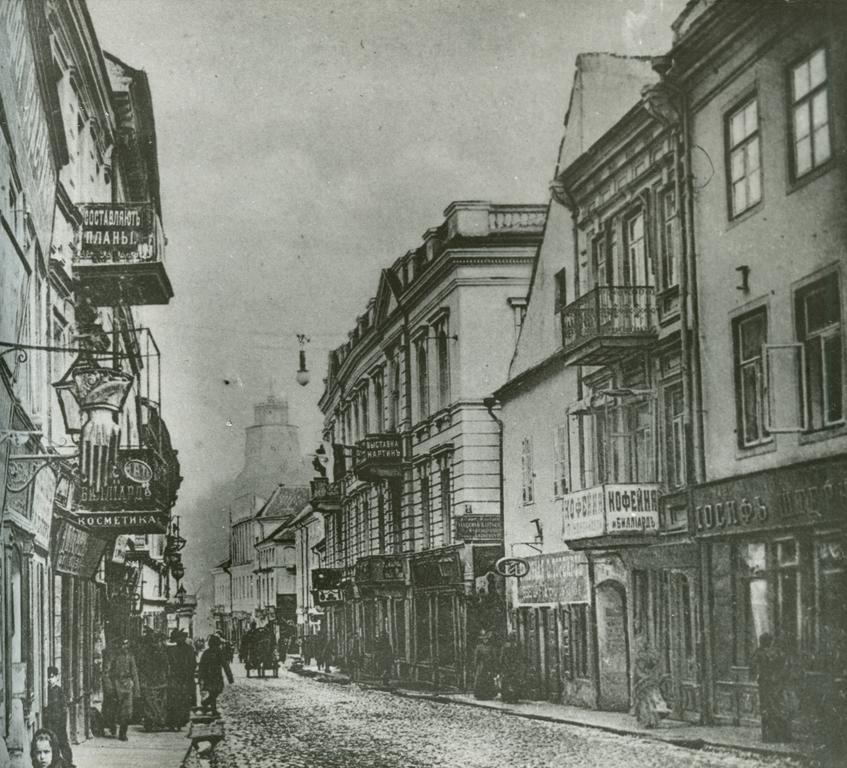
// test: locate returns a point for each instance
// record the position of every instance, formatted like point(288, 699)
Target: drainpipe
point(490, 404)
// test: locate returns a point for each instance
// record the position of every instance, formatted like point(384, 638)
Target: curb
point(687, 743)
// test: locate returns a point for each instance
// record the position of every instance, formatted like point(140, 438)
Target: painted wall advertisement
point(612, 509)
point(560, 577)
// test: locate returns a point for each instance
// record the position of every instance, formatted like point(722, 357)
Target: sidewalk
point(163, 749)
point(672, 731)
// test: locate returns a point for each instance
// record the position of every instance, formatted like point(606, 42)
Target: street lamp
point(303, 376)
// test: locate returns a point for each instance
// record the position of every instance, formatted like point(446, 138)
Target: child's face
point(43, 753)
point(53, 679)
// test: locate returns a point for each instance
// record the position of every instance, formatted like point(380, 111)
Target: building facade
point(412, 515)
point(81, 248)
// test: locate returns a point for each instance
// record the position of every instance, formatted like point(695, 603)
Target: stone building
point(412, 518)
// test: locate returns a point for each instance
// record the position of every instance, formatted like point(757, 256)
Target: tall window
point(426, 513)
point(745, 172)
point(446, 493)
point(363, 404)
point(423, 378)
point(670, 224)
point(394, 405)
point(443, 352)
point(527, 490)
point(636, 259)
point(379, 401)
point(600, 261)
point(750, 381)
point(559, 286)
point(674, 436)
point(818, 313)
point(560, 459)
point(380, 517)
point(810, 113)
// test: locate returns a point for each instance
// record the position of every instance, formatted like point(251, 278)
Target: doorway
point(612, 646)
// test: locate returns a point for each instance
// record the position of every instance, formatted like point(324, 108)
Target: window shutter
point(786, 385)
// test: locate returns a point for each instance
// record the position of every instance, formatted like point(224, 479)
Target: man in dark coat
point(213, 667)
point(770, 667)
point(181, 686)
point(123, 675)
point(56, 714)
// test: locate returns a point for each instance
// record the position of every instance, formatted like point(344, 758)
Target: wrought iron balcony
point(379, 457)
point(121, 254)
point(606, 321)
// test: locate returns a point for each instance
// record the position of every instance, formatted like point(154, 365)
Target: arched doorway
point(612, 646)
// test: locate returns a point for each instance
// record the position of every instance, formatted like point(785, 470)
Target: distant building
point(272, 459)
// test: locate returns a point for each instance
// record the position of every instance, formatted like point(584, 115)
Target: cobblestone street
point(295, 721)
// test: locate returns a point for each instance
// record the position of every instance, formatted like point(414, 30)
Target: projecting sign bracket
point(24, 468)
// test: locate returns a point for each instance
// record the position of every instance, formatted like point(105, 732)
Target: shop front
point(643, 570)
point(439, 645)
point(552, 619)
point(774, 554)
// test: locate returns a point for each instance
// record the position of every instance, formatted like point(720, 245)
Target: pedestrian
point(485, 668)
point(650, 705)
point(44, 750)
point(56, 713)
point(154, 675)
point(354, 657)
point(245, 648)
point(123, 675)
point(769, 666)
point(384, 657)
point(213, 666)
point(181, 685)
point(512, 671)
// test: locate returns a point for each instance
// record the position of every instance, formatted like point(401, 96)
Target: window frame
point(792, 105)
point(422, 372)
point(730, 148)
point(635, 249)
point(670, 238)
point(762, 392)
point(560, 459)
point(675, 453)
point(527, 485)
point(820, 335)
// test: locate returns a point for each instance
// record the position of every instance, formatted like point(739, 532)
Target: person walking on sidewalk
point(512, 670)
point(354, 657)
point(213, 667)
point(44, 751)
point(384, 657)
point(771, 671)
point(485, 668)
point(181, 685)
point(56, 714)
point(123, 675)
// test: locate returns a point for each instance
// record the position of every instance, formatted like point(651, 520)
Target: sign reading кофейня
point(611, 509)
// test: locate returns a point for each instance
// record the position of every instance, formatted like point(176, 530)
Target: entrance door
point(612, 646)
point(683, 631)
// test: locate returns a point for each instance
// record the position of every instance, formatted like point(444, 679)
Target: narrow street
point(296, 721)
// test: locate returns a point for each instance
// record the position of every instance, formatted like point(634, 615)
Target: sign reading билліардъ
point(621, 508)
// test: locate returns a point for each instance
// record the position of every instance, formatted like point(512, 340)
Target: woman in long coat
point(213, 667)
point(181, 685)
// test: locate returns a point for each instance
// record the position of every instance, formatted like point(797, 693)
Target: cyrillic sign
point(118, 233)
point(611, 509)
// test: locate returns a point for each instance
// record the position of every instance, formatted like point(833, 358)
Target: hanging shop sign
point(560, 577)
point(379, 457)
point(140, 481)
point(479, 528)
point(118, 233)
point(43, 493)
point(326, 578)
point(323, 597)
point(790, 496)
point(379, 569)
point(515, 567)
point(77, 552)
point(126, 522)
point(437, 570)
point(611, 509)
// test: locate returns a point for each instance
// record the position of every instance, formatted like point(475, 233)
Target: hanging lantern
point(90, 398)
point(303, 375)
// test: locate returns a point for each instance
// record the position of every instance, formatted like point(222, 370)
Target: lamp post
point(180, 601)
point(303, 376)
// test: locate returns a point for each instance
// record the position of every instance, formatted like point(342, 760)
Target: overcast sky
point(306, 144)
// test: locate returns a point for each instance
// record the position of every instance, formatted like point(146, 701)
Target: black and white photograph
point(423, 383)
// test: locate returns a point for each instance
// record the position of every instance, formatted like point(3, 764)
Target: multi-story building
point(273, 466)
point(309, 547)
point(81, 248)
point(596, 408)
point(414, 515)
point(767, 115)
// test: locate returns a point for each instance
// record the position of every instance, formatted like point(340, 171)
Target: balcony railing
point(606, 320)
point(121, 254)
